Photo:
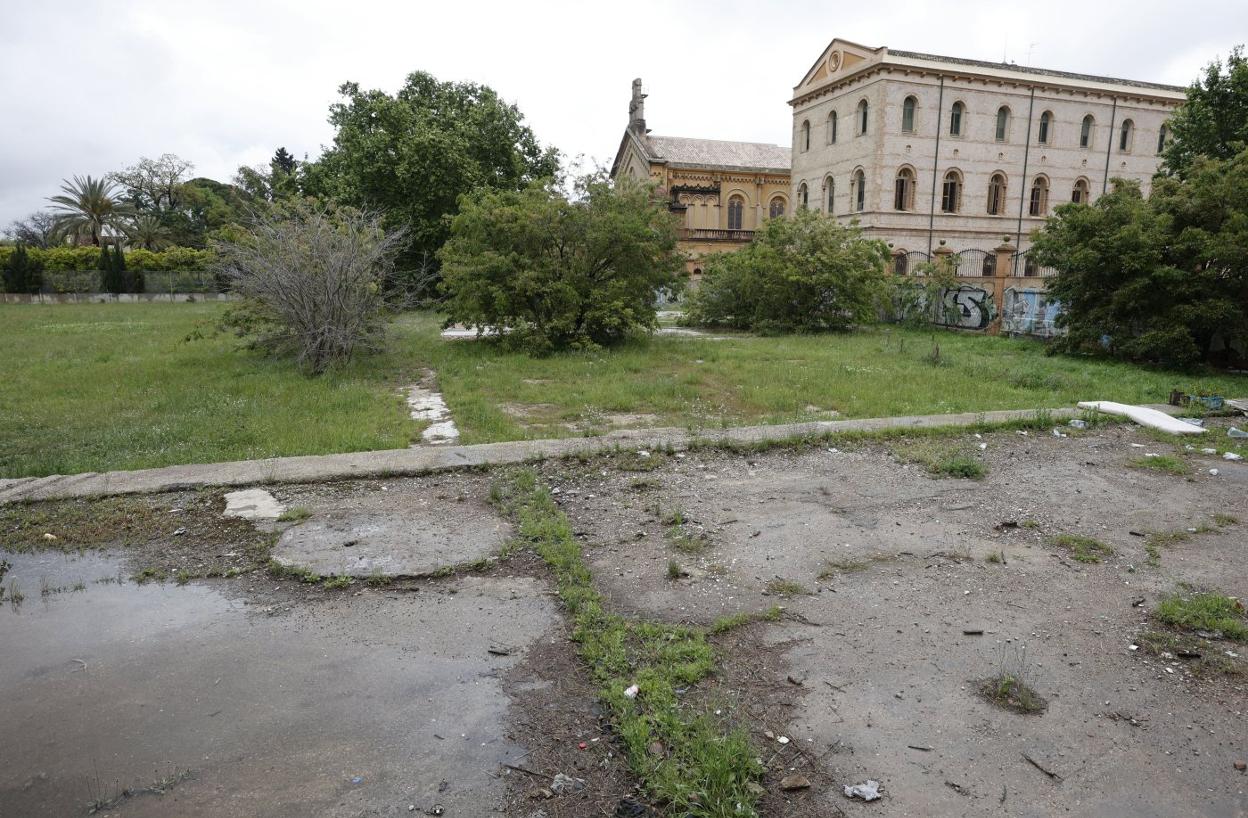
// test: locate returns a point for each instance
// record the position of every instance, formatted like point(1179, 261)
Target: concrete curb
point(424, 459)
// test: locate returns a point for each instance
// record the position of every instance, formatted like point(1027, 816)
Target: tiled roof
point(1026, 69)
point(719, 153)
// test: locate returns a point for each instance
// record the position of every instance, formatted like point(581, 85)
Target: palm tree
point(86, 208)
point(147, 232)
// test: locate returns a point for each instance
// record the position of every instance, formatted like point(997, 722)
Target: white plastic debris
point(1232, 456)
point(867, 791)
point(562, 783)
point(983, 446)
point(1209, 451)
point(1213, 472)
point(1078, 424)
point(631, 691)
point(1058, 433)
point(1144, 416)
point(1137, 445)
point(1151, 454)
point(782, 739)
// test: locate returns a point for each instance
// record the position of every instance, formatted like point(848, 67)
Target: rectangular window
point(899, 195)
point(949, 197)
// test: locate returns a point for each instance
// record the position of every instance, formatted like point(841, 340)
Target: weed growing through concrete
point(997, 557)
point(1011, 686)
point(941, 459)
point(1211, 613)
point(786, 588)
point(294, 515)
point(1162, 463)
point(1083, 549)
point(334, 583)
point(674, 571)
point(738, 620)
point(710, 769)
point(848, 566)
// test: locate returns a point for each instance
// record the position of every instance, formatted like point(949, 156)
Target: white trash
point(867, 791)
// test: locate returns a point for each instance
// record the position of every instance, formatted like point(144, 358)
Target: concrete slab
point(390, 543)
point(253, 504)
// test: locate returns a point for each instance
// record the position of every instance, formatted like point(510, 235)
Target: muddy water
point(337, 704)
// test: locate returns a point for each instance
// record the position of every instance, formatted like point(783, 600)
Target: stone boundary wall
point(109, 298)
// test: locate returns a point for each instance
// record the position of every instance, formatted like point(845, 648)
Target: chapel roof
point(718, 153)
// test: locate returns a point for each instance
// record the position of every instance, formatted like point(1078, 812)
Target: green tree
point(22, 273)
point(803, 273)
point(1213, 121)
point(411, 155)
point(1163, 279)
point(560, 272)
point(111, 280)
point(147, 231)
point(86, 207)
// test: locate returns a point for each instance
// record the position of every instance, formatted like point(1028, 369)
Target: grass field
point(116, 386)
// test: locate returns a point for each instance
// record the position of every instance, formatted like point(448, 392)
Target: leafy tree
point(36, 230)
point(22, 274)
point(411, 155)
point(153, 186)
point(560, 273)
point(1163, 279)
point(206, 208)
point(147, 231)
point(803, 273)
point(1213, 121)
point(86, 208)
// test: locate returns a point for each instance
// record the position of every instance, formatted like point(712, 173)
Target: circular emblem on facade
point(834, 60)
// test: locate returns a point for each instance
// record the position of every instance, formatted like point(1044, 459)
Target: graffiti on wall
point(967, 307)
point(1029, 312)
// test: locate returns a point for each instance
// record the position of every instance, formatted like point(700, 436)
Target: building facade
point(721, 191)
point(931, 152)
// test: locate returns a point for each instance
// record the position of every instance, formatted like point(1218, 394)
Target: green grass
point(1083, 549)
point(786, 588)
point(1162, 463)
point(1205, 612)
point(92, 387)
point(710, 765)
point(294, 515)
point(941, 458)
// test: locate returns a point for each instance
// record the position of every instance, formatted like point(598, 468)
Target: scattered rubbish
point(495, 650)
point(1151, 454)
point(50, 536)
point(1144, 416)
point(1006, 524)
point(958, 788)
point(1241, 765)
point(631, 691)
point(1059, 433)
point(869, 790)
point(1076, 423)
point(631, 808)
point(643, 453)
point(1137, 445)
point(1232, 456)
point(796, 781)
point(566, 783)
point(793, 680)
point(178, 532)
point(983, 446)
point(972, 631)
point(1022, 433)
point(1137, 602)
point(436, 809)
point(1133, 647)
point(1213, 472)
point(1183, 653)
point(920, 747)
point(1208, 451)
point(1041, 767)
point(582, 746)
point(1231, 654)
point(357, 779)
point(782, 739)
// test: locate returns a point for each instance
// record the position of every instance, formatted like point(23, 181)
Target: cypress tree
point(105, 265)
point(15, 270)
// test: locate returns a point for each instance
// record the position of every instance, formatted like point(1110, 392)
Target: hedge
point(81, 259)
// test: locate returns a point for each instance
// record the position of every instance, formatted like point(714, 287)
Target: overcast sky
point(89, 87)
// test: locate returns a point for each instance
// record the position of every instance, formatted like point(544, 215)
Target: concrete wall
point(107, 298)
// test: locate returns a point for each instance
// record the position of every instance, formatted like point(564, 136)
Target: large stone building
point(930, 151)
point(722, 191)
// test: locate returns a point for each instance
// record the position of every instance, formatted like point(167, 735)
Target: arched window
point(907, 114)
point(831, 128)
point(1003, 123)
point(988, 267)
point(736, 212)
point(1039, 196)
point(862, 116)
point(1085, 131)
point(1125, 136)
point(803, 196)
point(805, 136)
point(951, 193)
point(859, 191)
point(1162, 132)
point(901, 262)
point(777, 207)
point(1079, 193)
point(903, 190)
point(955, 118)
point(996, 195)
point(1046, 128)
point(829, 187)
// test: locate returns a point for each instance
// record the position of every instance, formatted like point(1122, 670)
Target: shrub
point(804, 273)
point(560, 272)
point(311, 278)
point(21, 273)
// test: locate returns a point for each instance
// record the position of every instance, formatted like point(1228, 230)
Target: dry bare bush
point(311, 276)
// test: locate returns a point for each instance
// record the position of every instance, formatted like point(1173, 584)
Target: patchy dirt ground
point(905, 590)
point(901, 591)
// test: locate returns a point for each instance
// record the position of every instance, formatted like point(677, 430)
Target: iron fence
point(86, 282)
point(1024, 265)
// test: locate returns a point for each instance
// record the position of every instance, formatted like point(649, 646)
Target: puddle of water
point(321, 706)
